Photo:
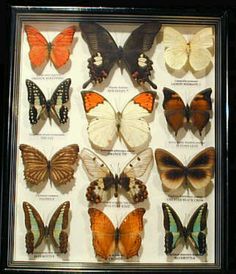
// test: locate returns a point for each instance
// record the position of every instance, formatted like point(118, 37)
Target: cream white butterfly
point(178, 51)
point(105, 124)
point(131, 179)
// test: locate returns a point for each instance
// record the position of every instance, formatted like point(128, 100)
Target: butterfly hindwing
point(36, 230)
point(105, 52)
point(38, 169)
point(126, 238)
point(197, 114)
point(196, 229)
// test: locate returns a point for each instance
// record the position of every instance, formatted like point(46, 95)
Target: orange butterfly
point(107, 239)
point(58, 51)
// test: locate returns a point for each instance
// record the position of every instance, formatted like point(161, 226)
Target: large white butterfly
point(131, 179)
point(196, 51)
point(105, 124)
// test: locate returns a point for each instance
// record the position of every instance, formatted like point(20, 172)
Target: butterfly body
point(55, 231)
point(126, 238)
point(195, 232)
point(197, 113)
point(130, 179)
point(105, 52)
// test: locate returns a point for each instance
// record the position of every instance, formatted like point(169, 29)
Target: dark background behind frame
point(193, 6)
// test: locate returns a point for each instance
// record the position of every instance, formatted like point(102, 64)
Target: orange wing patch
point(41, 50)
point(107, 239)
point(145, 100)
point(91, 100)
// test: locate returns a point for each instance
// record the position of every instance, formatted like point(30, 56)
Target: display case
point(116, 140)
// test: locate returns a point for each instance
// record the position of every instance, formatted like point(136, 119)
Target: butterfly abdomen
point(48, 107)
point(117, 236)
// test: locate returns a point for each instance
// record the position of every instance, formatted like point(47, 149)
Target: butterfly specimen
point(105, 52)
point(197, 173)
point(195, 232)
point(57, 51)
point(60, 169)
point(197, 114)
point(105, 124)
point(102, 179)
point(55, 106)
point(56, 230)
point(195, 51)
point(107, 239)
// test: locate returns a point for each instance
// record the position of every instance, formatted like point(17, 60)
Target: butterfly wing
point(133, 126)
point(60, 47)
point(35, 165)
point(103, 49)
point(139, 166)
point(196, 229)
point(37, 102)
point(102, 128)
point(171, 170)
point(174, 229)
point(99, 175)
point(200, 57)
point(103, 233)
point(58, 225)
point(140, 41)
point(175, 110)
point(200, 109)
point(34, 226)
point(175, 54)
point(201, 168)
point(129, 233)
point(58, 100)
point(62, 164)
point(39, 52)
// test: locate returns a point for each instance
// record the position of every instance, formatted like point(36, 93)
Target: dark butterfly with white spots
point(56, 230)
point(130, 179)
point(55, 106)
point(105, 52)
point(195, 232)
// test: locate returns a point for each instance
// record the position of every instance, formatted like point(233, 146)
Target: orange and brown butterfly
point(37, 231)
point(196, 114)
point(60, 169)
point(198, 173)
point(57, 51)
point(107, 239)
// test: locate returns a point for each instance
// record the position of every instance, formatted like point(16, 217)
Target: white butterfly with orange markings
point(179, 51)
point(105, 124)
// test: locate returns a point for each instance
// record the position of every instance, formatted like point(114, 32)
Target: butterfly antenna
point(87, 83)
point(151, 83)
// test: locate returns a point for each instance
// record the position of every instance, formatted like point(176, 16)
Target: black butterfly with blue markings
point(105, 52)
point(55, 106)
point(195, 232)
point(37, 231)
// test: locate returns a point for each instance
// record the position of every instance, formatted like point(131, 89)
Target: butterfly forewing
point(103, 233)
point(196, 229)
point(62, 164)
point(130, 233)
point(35, 164)
point(201, 168)
point(171, 170)
point(58, 225)
point(173, 227)
point(59, 97)
point(34, 226)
